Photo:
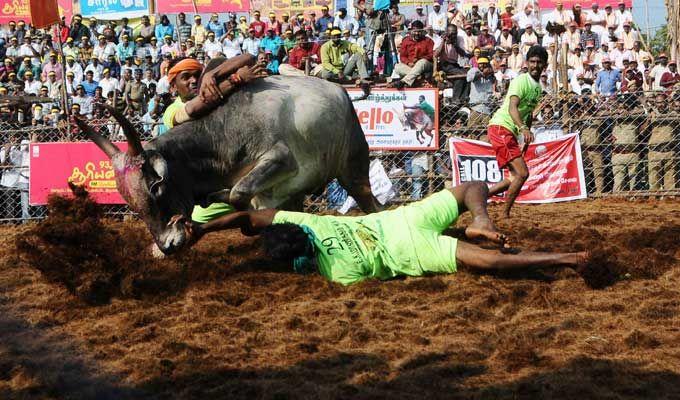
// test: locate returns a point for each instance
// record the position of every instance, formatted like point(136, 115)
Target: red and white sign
point(53, 165)
point(399, 119)
point(202, 6)
point(569, 4)
point(555, 168)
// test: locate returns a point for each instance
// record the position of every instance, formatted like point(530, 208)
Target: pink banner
point(203, 6)
point(569, 4)
point(555, 168)
point(53, 165)
point(19, 10)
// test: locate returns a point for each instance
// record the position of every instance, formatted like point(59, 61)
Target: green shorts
point(214, 210)
point(426, 220)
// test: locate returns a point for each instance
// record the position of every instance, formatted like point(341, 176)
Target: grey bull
point(268, 145)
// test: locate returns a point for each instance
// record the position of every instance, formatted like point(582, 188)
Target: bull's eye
point(156, 188)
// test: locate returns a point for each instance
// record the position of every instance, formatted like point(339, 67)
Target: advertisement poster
point(53, 165)
point(14, 10)
point(203, 6)
point(290, 6)
point(555, 168)
point(114, 9)
point(399, 119)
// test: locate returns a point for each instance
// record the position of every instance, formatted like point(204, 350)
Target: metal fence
point(630, 147)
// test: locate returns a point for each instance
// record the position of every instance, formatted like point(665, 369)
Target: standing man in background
point(512, 122)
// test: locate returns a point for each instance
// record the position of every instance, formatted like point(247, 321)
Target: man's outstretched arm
point(249, 222)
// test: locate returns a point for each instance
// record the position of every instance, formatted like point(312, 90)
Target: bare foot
point(485, 229)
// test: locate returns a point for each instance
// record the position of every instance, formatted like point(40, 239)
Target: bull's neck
point(199, 153)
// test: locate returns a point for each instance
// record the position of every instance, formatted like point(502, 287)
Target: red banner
point(569, 4)
point(44, 13)
point(203, 6)
point(555, 168)
point(19, 10)
point(53, 165)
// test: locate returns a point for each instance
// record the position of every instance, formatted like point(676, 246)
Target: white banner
point(399, 119)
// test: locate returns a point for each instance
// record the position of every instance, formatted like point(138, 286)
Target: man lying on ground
point(404, 241)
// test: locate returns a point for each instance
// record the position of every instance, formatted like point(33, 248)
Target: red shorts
point(504, 143)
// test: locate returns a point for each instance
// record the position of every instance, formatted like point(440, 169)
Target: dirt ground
point(79, 320)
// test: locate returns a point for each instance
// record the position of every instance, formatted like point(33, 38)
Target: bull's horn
point(134, 144)
point(103, 143)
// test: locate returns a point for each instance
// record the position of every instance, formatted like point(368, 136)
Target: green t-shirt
point(349, 249)
point(427, 109)
point(529, 92)
point(169, 114)
point(404, 241)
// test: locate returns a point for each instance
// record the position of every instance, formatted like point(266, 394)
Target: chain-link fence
point(630, 147)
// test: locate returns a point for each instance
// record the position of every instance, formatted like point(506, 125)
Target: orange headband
point(188, 64)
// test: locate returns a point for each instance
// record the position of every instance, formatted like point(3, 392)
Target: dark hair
point(416, 25)
point(538, 51)
point(284, 241)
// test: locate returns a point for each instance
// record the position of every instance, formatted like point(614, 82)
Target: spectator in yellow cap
point(325, 21)
point(273, 24)
point(285, 22)
point(257, 25)
point(104, 49)
point(12, 50)
point(212, 46)
point(70, 49)
point(53, 85)
point(73, 66)
point(125, 48)
point(26, 66)
point(52, 65)
point(198, 30)
point(333, 64)
point(6, 68)
point(215, 26)
point(78, 30)
point(31, 85)
point(107, 83)
point(29, 49)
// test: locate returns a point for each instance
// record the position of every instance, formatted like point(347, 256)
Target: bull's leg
point(275, 165)
point(354, 179)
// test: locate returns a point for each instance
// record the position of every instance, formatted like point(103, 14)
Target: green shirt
point(289, 43)
point(169, 114)
point(351, 249)
point(331, 56)
point(427, 109)
point(529, 93)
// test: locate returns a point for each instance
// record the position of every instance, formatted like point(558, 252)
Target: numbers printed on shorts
point(332, 244)
point(479, 168)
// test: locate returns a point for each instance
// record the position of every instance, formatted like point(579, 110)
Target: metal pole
point(649, 37)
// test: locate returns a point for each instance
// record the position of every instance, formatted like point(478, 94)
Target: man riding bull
point(404, 241)
point(184, 77)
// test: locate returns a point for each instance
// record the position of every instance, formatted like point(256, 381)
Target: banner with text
point(53, 165)
point(19, 10)
point(555, 168)
point(114, 9)
point(203, 6)
point(569, 4)
point(399, 119)
point(290, 6)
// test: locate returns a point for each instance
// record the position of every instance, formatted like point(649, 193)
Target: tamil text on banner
point(291, 7)
point(399, 119)
point(569, 4)
point(53, 165)
point(14, 10)
point(114, 9)
point(555, 168)
point(203, 6)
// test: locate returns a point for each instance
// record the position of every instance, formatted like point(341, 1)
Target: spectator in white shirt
point(523, 19)
point(559, 15)
point(73, 66)
point(619, 54)
point(437, 18)
point(231, 45)
point(623, 16)
point(598, 19)
point(107, 83)
point(31, 85)
point(95, 67)
point(212, 47)
point(528, 38)
point(251, 44)
point(611, 19)
point(659, 69)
